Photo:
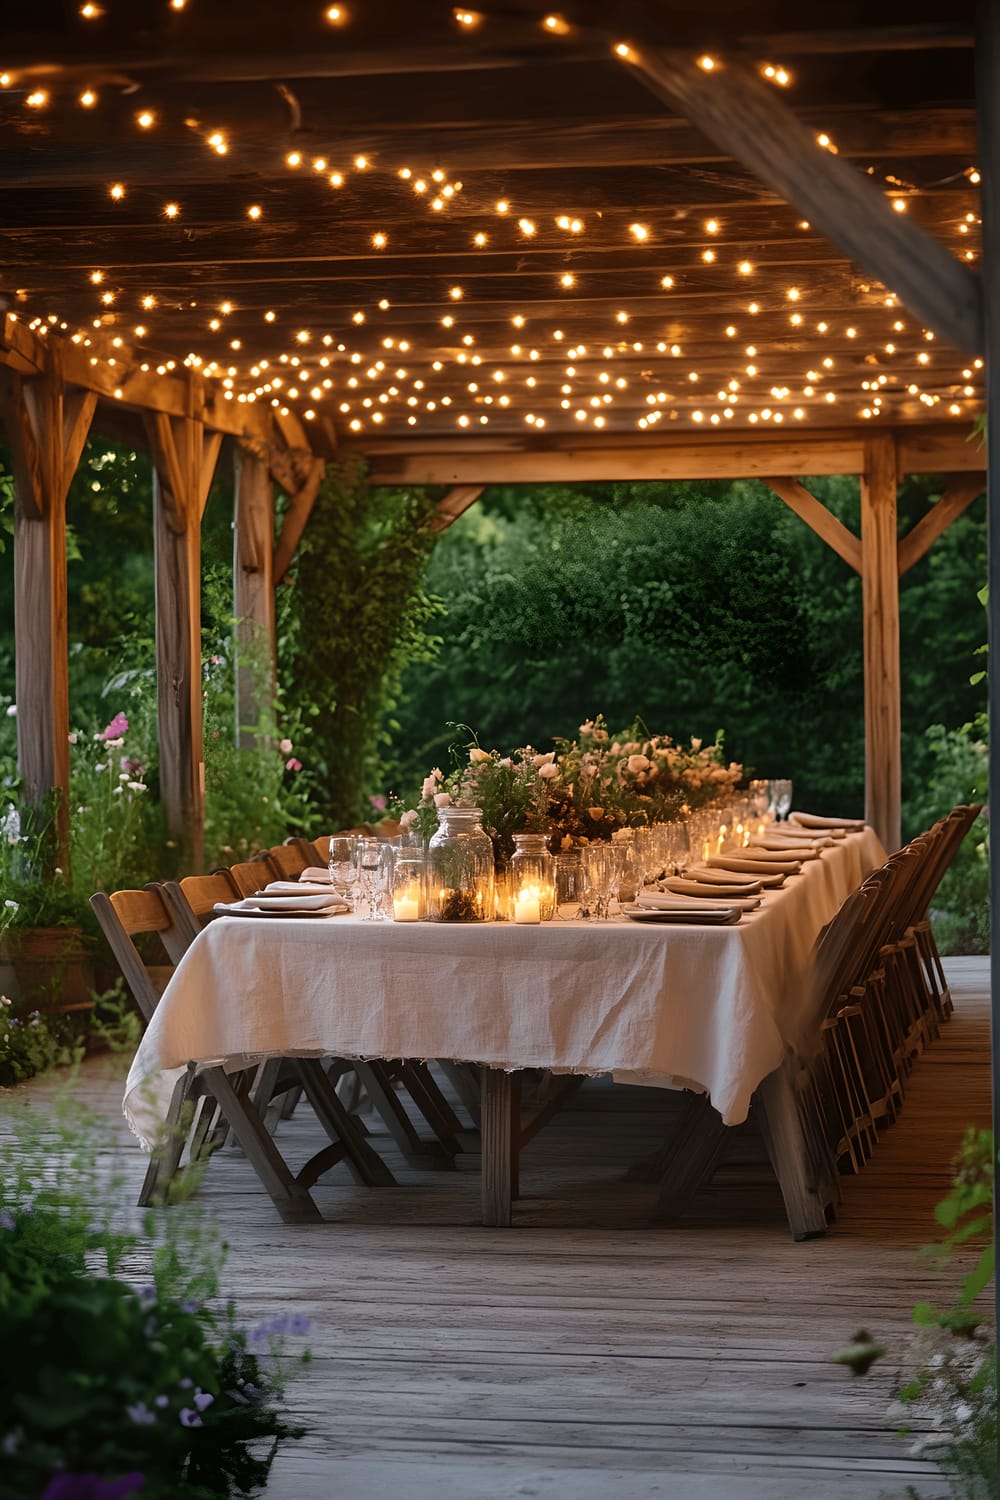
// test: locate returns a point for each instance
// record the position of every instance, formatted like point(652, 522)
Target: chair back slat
point(199, 893)
point(125, 915)
point(286, 861)
point(247, 877)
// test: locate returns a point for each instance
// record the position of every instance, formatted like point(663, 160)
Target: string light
point(88, 99)
point(254, 211)
point(706, 63)
point(335, 15)
point(91, 12)
point(145, 119)
point(37, 99)
point(116, 191)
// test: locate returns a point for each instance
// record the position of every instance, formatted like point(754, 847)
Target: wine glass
point(343, 864)
point(760, 797)
point(599, 872)
point(781, 796)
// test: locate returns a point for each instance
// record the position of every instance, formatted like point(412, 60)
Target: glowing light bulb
point(745, 268)
point(37, 99)
point(117, 191)
point(293, 159)
point(97, 277)
point(638, 232)
point(88, 99)
point(379, 241)
point(90, 11)
point(666, 282)
point(336, 15)
point(556, 24)
point(527, 227)
point(567, 279)
point(706, 63)
point(145, 119)
point(502, 206)
point(254, 211)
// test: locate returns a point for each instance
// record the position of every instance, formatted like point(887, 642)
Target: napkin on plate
point(297, 888)
point(316, 875)
point(761, 867)
point(670, 902)
point(270, 905)
point(751, 883)
point(766, 849)
point(814, 820)
point(676, 885)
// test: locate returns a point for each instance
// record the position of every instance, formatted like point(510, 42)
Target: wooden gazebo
point(480, 245)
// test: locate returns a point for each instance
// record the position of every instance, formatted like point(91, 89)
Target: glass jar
point(533, 878)
point(460, 868)
point(408, 886)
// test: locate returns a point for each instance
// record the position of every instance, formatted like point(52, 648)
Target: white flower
point(114, 744)
point(695, 743)
point(543, 760)
point(475, 754)
point(548, 771)
point(117, 790)
point(442, 799)
point(408, 819)
point(586, 727)
point(72, 736)
point(102, 767)
point(12, 711)
point(285, 746)
point(4, 1000)
point(429, 786)
point(137, 786)
point(637, 763)
point(13, 905)
point(123, 776)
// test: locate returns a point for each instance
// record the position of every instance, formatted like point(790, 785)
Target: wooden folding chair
point(124, 916)
point(286, 861)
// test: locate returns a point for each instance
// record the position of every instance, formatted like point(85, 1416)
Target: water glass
point(343, 864)
point(599, 873)
point(781, 798)
point(571, 890)
point(368, 856)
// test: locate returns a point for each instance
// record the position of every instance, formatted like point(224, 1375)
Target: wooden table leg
point(786, 1147)
point(501, 1131)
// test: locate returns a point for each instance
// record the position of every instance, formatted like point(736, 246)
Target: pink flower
point(378, 803)
point(293, 763)
point(637, 763)
point(442, 799)
point(548, 771)
point(285, 746)
point(429, 787)
point(408, 819)
point(117, 727)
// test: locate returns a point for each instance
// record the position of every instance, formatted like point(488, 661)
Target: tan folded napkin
point(751, 884)
point(316, 875)
point(700, 915)
point(656, 902)
point(758, 866)
point(297, 888)
point(676, 885)
point(814, 820)
point(266, 904)
point(778, 852)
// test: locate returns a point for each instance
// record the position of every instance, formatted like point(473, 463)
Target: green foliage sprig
point(158, 1382)
point(358, 617)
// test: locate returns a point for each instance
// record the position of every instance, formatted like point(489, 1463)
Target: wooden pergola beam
point(961, 491)
point(302, 490)
point(46, 423)
point(880, 604)
point(455, 504)
point(748, 118)
point(184, 457)
point(471, 459)
point(819, 518)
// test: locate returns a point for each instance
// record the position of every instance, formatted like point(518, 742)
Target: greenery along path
point(589, 1351)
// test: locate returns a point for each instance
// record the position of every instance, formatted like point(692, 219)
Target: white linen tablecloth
point(700, 1007)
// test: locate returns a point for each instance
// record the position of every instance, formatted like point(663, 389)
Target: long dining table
point(708, 1008)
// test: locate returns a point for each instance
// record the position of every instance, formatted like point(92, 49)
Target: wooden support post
point(741, 113)
point(822, 521)
point(47, 426)
point(183, 464)
point(253, 597)
point(961, 491)
point(880, 595)
point(501, 1141)
point(300, 477)
point(988, 111)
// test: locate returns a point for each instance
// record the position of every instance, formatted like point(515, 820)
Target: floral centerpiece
point(587, 789)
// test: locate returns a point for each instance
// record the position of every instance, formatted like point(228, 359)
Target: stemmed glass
point(343, 864)
point(781, 798)
point(599, 862)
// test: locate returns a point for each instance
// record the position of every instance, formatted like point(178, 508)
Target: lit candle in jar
point(706, 850)
point(528, 905)
point(406, 904)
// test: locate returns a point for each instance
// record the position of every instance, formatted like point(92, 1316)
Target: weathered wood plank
point(742, 113)
point(457, 501)
point(961, 492)
point(880, 596)
point(253, 595)
point(301, 501)
point(823, 521)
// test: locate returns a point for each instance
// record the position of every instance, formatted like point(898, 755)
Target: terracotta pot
point(51, 968)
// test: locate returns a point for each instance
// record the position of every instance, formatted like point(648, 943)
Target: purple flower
point(190, 1305)
point(7, 1220)
point(298, 1324)
point(147, 1297)
point(140, 1414)
point(162, 1401)
point(117, 727)
point(190, 1418)
point(92, 1487)
point(203, 1399)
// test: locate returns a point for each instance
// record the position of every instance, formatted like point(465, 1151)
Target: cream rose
point(548, 771)
point(475, 754)
point(442, 799)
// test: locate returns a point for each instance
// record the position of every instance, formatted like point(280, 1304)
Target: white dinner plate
point(262, 911)
point(703, 916)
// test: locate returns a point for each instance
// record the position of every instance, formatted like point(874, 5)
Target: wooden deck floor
point(588, 1352)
